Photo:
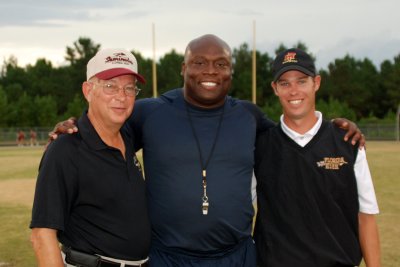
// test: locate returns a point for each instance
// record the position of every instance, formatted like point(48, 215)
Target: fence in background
point(8, 136)
point(387, 132)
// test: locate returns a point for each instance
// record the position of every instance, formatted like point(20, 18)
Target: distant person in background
point(316, 199)
point(90, 192)
point(20, 138)
point(33, 138)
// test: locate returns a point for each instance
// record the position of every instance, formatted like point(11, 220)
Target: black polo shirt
point(93, 196)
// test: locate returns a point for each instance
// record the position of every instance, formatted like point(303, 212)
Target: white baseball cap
point(110, 63)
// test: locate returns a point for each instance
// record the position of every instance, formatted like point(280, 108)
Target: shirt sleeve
point(365, 187)
point(55, 187)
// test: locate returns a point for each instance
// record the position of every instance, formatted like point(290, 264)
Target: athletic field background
point(18, 170)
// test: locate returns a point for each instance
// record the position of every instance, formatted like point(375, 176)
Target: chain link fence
point(24, 136)
point(9, 136)
point(388, 132)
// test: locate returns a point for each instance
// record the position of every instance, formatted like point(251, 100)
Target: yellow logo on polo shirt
point(331, 163)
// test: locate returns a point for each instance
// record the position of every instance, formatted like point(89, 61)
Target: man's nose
point(293, 89)
point(210, 69)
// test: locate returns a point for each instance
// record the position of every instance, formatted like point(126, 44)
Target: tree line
point(42, 94)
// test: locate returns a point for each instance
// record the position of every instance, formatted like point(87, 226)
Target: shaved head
point(206, 40)
point(207, 71)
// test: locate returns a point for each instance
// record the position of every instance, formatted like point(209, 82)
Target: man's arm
point(353, 132)
point(369, 239)
point(45, 245)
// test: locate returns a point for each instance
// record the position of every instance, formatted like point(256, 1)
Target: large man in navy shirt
point(198, 149)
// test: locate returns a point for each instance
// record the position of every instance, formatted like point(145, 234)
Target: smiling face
point(110, 110)
point(296, 92)
point(207, 71)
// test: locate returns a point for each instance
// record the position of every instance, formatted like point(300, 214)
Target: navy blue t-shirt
point(173, 171)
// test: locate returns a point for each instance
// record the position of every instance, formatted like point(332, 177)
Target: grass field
point(18, 170)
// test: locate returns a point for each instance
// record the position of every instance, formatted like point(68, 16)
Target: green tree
point(335, 109)
point(13, 91)
point(354, 82)
point(41, 76)
point(348, 84)
point(300, 45)
point(14, 79)
point(390, 76)
point(168, 72)
point(21, 112)
point(145, 69)
point(47, 80)
point(3, 108)
point(264, 78)
point(78, 56)
point(272, 108)
point(75, 107)
point(368, 76)
point(46, 111)
point(11, 72)
point(242, 72)
point(81, 52)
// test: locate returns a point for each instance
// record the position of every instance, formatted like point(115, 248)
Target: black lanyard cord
point(202, 163)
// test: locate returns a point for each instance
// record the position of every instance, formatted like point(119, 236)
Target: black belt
point(81, 259)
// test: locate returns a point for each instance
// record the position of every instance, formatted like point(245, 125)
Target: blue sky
point(331, 29)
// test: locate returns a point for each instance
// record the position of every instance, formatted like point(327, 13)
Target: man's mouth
point(209, 84)
point(119, 109)
point(295, 102)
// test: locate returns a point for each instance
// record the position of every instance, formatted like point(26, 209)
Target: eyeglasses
point(110, 88)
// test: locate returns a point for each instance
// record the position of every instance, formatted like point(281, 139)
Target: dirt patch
point(17, 191)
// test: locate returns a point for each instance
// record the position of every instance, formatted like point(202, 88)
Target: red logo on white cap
point(118, 58)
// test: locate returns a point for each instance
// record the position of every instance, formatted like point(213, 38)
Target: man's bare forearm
point(369, 240)
point(46, 247)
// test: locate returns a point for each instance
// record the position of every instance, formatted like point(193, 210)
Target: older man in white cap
point(90, 193)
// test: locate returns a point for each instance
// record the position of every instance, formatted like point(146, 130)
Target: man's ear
point(87, 90)
point(273, 85)
point(317, 82)
point(183, 68)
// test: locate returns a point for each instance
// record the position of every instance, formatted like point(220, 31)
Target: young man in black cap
point(316, 200)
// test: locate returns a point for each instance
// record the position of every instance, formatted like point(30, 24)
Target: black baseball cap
point(293, 59)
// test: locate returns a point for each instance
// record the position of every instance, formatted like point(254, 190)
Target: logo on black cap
point(290, 57)
point(293, 59)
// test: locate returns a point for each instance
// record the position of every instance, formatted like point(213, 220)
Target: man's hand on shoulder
point(63, 127)
point(68, 126)
point(353, 132)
